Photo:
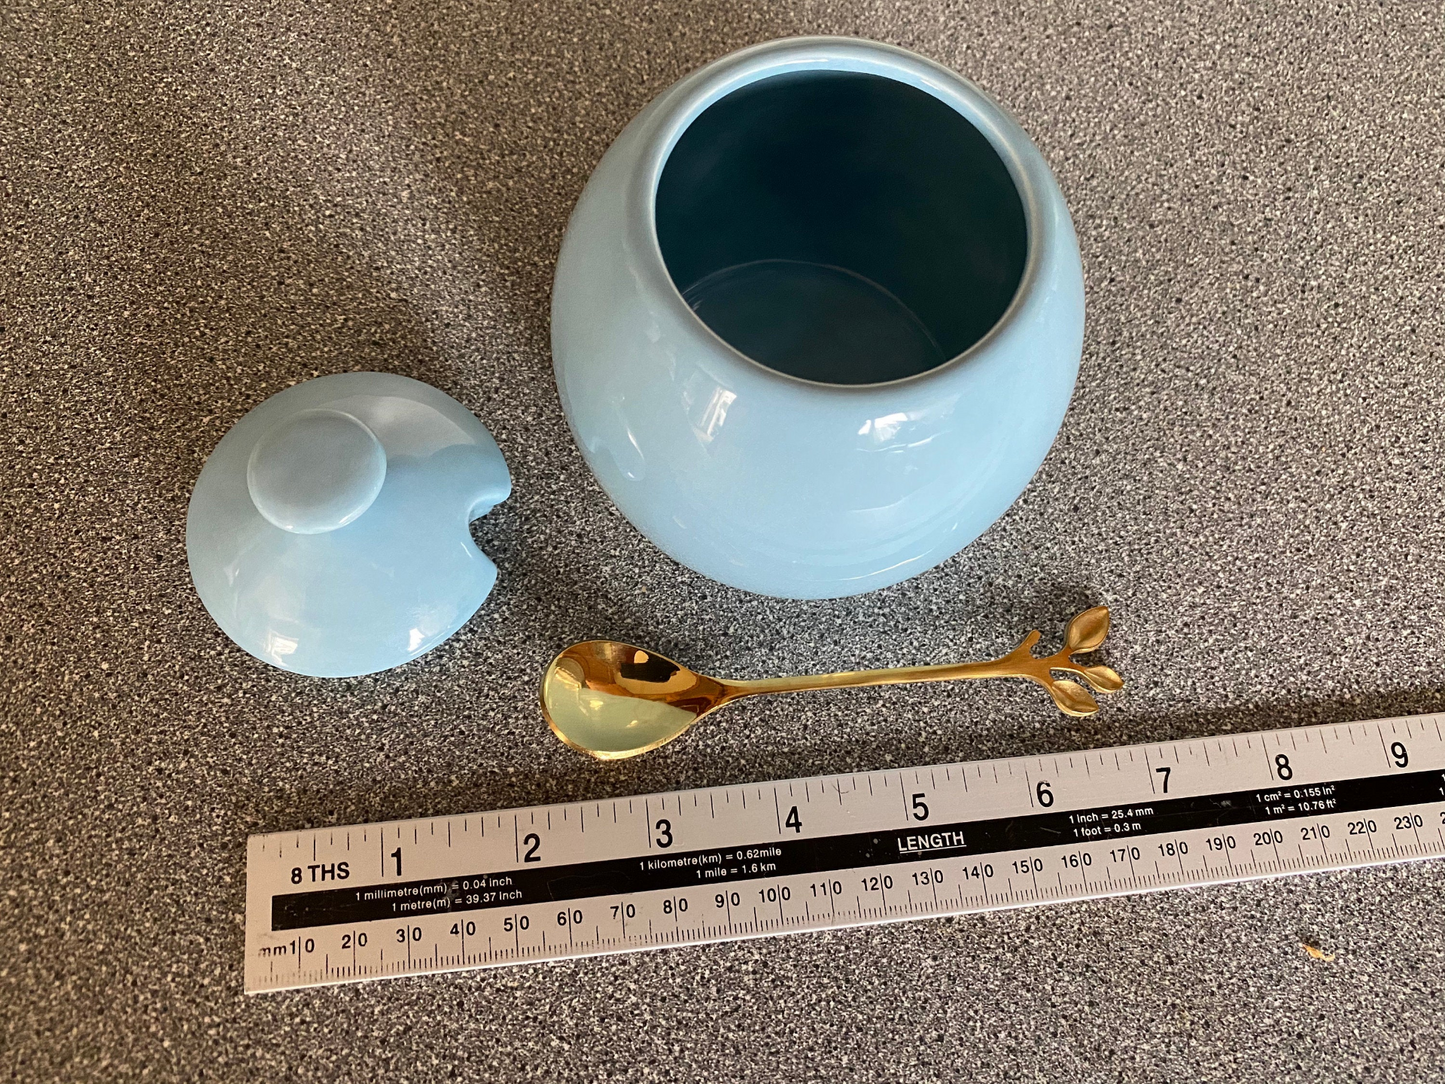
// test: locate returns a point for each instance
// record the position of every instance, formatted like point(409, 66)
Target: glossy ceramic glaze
point(821, 484)
point(328, 532)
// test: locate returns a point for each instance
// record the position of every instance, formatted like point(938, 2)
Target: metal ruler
point(452, 893)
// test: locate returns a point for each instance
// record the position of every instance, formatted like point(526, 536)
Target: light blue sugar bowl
point(817, 317)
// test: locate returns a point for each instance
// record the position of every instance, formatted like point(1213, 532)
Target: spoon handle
point(1085, 633)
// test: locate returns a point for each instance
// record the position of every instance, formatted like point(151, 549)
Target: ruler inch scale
point(437, 894)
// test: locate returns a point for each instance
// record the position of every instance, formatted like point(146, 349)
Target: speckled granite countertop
point(201, 204)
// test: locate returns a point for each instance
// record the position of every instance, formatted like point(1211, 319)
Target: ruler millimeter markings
point(438, 894)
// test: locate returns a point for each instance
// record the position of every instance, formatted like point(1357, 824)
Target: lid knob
point(316, 471)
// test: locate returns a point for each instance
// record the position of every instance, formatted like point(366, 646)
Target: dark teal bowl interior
point(841, 227)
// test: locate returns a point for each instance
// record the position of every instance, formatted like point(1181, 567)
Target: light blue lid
point(328, 532)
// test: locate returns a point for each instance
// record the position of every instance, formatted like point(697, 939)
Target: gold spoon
point(613, 700)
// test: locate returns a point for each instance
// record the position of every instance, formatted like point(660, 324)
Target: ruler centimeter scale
point(436, 894)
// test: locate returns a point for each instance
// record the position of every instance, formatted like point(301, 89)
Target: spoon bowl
point(613, 700)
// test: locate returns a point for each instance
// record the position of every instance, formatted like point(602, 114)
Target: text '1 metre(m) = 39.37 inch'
point(437, 894)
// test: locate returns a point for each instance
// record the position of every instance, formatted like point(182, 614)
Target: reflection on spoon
point(613, 700)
